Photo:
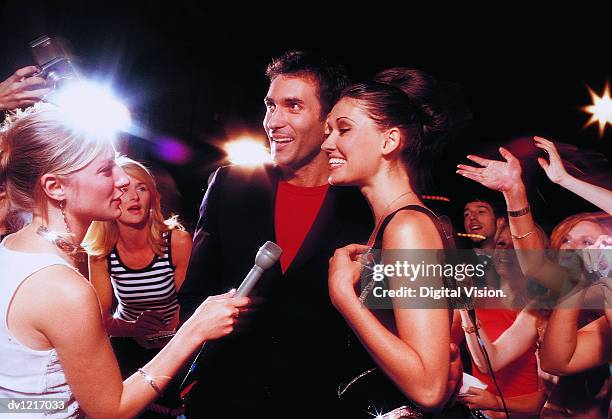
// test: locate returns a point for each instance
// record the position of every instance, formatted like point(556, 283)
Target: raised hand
point(19, 90)
point(497, 175)
point(554, 166)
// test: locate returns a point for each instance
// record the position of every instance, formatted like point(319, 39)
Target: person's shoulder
point(180, 238)
point(68, 287)
point(410, 228)
point(234, 176)
point(410, 221)
point(72, 312)
point(237, 171)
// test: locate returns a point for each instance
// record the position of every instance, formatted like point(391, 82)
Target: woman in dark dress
point(376, 135)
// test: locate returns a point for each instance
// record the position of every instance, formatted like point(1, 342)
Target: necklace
point(73, 250)
point(384, 212)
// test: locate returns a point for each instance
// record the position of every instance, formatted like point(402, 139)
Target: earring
point(61, 205)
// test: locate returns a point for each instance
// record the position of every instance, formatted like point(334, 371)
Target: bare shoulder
point(73, 302)
point(411, 230)
point(180, 238)
point(65, 284)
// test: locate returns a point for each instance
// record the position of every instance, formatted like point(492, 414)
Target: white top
point(26, 372)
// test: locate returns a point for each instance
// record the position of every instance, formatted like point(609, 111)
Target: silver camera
point(53, 59)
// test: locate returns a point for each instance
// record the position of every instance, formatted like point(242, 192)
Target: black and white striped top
point(149, 288)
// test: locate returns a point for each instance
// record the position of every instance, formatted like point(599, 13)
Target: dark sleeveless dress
point(367, 392)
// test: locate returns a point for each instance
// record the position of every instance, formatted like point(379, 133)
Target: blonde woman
point(53, 343)
point(140, 257)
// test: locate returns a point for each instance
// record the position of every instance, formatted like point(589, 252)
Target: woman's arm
point(181, 251)
point(514, 342)
point(100, 280)
point(505, 177)
point(416, 362)
point(71, 322)
point(567, 350)
point(556, 172)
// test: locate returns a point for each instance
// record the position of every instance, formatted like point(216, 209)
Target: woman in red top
point(510, 336)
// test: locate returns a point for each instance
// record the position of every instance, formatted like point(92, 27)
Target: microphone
point(266, 257)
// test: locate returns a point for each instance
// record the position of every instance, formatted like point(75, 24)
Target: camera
point(53, 59)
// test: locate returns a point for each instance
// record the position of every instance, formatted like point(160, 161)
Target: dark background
point(196, 75)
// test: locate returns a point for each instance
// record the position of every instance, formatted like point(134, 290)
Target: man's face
point(293, 121)
point(479, 218)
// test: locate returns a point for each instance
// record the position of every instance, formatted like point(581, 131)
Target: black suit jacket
point(288, 353)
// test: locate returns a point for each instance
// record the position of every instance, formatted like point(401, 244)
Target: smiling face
point(94, 192)
point(293, 121)
point(135, 202)
point(479, 218)
point(353, 144)
point(504, 258)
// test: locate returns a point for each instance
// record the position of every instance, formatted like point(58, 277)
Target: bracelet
point(151, 381)
point(470, 329)
point(519, 212)
point(523, 236)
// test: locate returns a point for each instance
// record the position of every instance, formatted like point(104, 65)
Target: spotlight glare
point(600, 110)
point(247, 152)
point(472, 236)
point(91, 108)
point(435, 198)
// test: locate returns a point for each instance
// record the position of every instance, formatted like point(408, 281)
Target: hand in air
point(19, 90)
point(497, 175)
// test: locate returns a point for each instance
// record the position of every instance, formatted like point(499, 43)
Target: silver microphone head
point(267, 255)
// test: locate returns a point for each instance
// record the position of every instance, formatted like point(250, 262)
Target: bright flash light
point(247, 152)
point(91, 108)
point(600, 110)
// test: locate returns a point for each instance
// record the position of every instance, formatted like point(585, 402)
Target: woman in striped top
point(140, 258)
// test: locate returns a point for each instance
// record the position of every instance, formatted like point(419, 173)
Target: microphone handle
point(249, 282)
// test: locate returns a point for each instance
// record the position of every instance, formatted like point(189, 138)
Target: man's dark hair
point(498, 207)
point(331, 77)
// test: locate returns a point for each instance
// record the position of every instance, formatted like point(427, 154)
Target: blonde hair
point(102, 236)
point(35, 142)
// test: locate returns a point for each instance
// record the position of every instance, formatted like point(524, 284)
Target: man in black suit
point(285, 358)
